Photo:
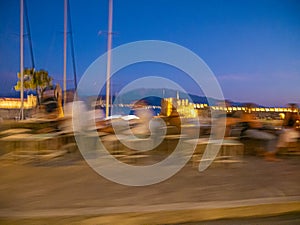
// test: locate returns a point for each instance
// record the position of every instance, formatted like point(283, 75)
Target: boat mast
point(22, 57)
point(108, 67)
point(29, 35)
point(65, 49)
point(72, 46)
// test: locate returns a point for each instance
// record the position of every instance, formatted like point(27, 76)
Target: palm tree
point(34, 80)
point(27, 80)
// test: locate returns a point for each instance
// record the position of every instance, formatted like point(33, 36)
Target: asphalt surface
point(68, 191)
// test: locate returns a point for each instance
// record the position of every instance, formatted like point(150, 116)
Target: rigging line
point(72, 46)
point(29, 35)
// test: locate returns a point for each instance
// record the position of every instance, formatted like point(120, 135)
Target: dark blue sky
point(253, 47)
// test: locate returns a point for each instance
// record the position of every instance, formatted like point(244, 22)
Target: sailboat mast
point(72, 46)
point(108, 67)
point(29, 35)
point(65, 49)
point(22, 56)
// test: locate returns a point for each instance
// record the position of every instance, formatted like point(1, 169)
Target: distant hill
point(154, 97)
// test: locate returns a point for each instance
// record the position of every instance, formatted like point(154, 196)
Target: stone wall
point(14, 114)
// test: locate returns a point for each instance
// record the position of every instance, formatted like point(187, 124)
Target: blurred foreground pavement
point(66, 191)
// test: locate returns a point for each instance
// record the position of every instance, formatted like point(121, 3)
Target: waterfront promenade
point(67, 191)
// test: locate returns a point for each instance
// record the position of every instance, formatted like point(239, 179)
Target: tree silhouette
point(34, 80)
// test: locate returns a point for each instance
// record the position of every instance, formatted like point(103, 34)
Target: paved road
point(70, 188)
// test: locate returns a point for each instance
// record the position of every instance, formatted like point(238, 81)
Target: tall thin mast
point(21, 56)
point(72, 46)
point(29, 34)
point(109, 43)
point(65, 49)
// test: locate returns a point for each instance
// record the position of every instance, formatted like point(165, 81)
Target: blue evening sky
point(253, 47)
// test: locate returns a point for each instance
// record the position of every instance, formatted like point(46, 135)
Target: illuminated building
point(189, 110)
point(15, 103)
point(185, 108)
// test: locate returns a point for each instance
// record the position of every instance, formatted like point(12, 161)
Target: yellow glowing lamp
point(282, 116)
